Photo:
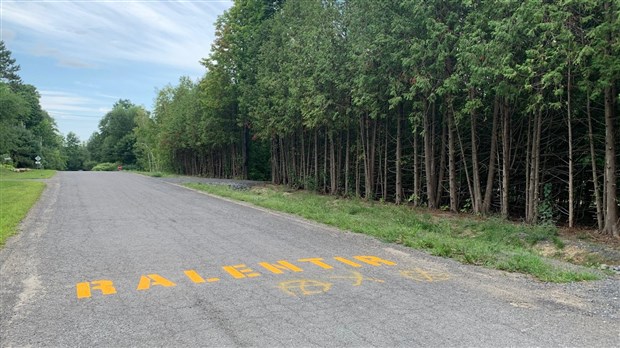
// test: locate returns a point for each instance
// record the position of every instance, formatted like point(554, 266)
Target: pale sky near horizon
point(83, 56)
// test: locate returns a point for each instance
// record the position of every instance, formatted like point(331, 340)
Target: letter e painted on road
point(240, 271)
point(374, 261)
point(106, 287)
point(281, 265)
point(146, 281)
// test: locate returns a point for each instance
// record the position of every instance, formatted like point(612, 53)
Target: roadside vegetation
point(7, 173)
point(17, 196)
point(491, 108)
point(489, 242)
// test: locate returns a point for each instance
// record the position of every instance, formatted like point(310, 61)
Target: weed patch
point(488, 242)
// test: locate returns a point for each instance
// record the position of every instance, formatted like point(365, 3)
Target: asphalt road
point(118, 259)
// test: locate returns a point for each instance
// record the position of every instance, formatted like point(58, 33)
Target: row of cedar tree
point(492, 107)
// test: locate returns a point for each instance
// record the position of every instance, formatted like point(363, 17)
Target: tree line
point(489, 107)
point(26, 130)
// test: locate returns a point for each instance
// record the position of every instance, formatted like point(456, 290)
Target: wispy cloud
point(66, 105)
point(91, 33)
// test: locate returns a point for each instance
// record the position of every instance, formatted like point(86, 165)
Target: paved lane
point(118, 259)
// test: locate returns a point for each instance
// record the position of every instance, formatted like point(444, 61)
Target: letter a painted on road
point(146, 281)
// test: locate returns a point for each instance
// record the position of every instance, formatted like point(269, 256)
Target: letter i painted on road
point(374, 261)
point(106, 287)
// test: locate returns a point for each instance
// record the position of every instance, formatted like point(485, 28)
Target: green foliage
point(368, 98)
point(26, 131)
point(115, 141)
point(76, 153)
point(105, 167)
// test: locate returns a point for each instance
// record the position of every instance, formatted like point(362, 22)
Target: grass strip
point(16, 199)
point(492, 243)
point(7, 174)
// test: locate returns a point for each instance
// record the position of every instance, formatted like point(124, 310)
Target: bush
point(105, 167)
point(89, 165)
point(130, 167)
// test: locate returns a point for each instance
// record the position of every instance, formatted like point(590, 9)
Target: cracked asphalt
point(115, 259)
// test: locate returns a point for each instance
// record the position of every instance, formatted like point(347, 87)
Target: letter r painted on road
point(106, 287)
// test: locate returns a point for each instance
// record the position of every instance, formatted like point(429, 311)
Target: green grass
point(7, 174)
point(492, 243)
point(16, 198)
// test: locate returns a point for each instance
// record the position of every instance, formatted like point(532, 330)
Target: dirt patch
point(581, 252)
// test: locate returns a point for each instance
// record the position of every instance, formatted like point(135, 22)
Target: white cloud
point(69, 105)
point(95, 33)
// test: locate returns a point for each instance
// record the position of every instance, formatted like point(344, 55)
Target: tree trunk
point(385, 163)
point(358, 147)
point(505, 158)
point(451, 160)
point(488, 192)
point(332, 166)
point(477, 198)
point(346, 163)
point(442, 162)
point(611, 205)
point(597, 190)
point(428, 158)
point(399, 183)
point(571, 189)
point(534, 177)
point(417, 183)
point(316, 159)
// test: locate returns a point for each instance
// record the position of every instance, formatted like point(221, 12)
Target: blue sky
point(85, 55)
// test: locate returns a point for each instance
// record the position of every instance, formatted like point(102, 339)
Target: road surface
point(117, 259)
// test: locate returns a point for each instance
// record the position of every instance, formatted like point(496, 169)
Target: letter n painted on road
point(106, 287)
point(281, 265)
point(146, 281)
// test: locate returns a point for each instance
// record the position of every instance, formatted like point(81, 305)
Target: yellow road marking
point(281, 265)
point(106, 287)
point(421, 275)
point(316, 261)
point(358, 278)
point(193, 276)
point(374, 261)
point(304, 287)
point(240, 271)
point(347, 262)
point(146, 281)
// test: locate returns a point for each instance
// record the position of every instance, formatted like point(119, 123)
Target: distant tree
point(115, 140)
point(8, 68)
point(75, 152)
